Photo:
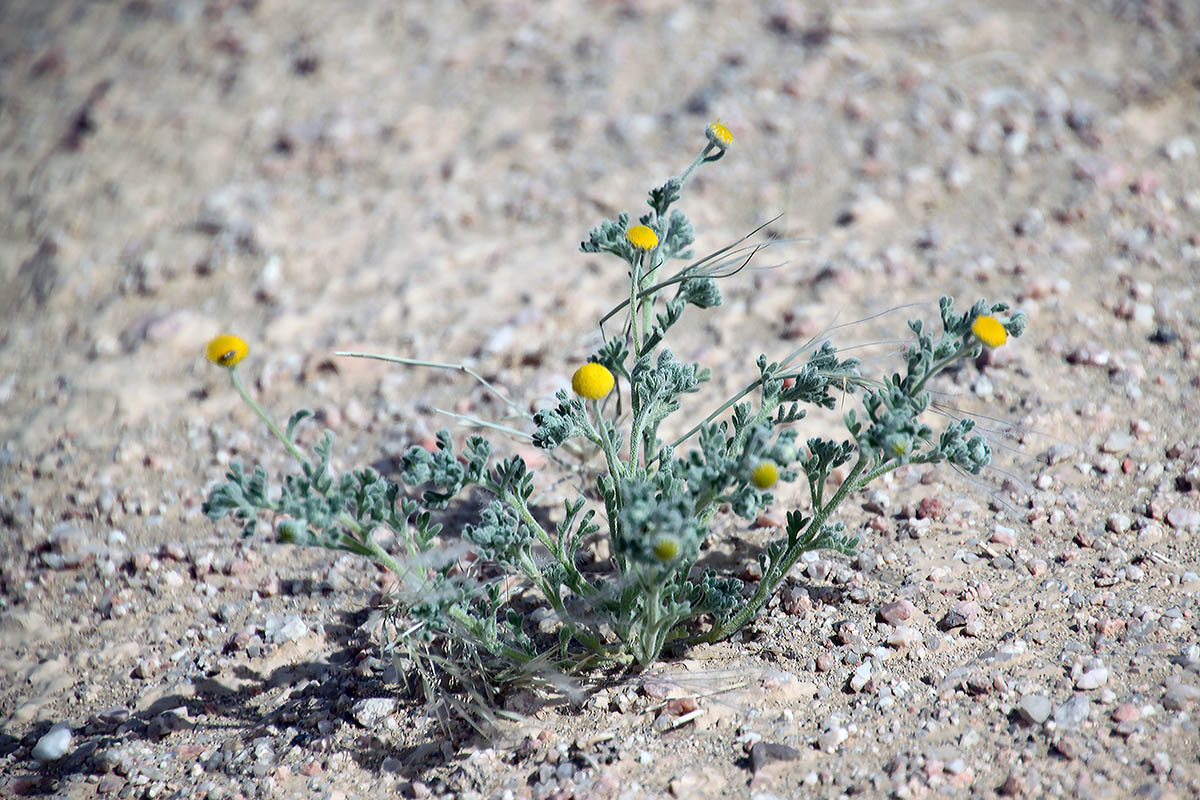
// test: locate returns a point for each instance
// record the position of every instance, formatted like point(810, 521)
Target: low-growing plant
point(464, 595)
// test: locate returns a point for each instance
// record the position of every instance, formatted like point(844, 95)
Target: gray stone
point(1182, 518)
point(1117, 442)
point(280, 630)
point(763, 754)
point(1179, 695)
point(1034, 708)
point(830, 740)
point(1073, 713)
point(371, 711)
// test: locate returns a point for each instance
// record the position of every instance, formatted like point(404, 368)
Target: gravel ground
point(414, 178)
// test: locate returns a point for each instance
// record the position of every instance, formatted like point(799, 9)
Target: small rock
point(280, 630)
point(1126, 712)
point(830, 740)
point(371, 711)
point(904, 636)
point(771, 518)
point(1092, 679)
point(54, 744)
point(1013, 786)
point(931, 508)
point(962, 613)
point(168, 722)
point(1068, 747)
point(1004, 535)
point(1118, 523)
point(896, 611)
point(861, 676)
point(1182, 518)
point(763, 754)
point(877, 502)
point(114, 716)
point(1034, 708)
point(1179, 148)
point(109, 784)
point(1117, 442)
point(689, 784)
point(147, 667)
point(796, 601)
point(1073, 713)
point(1179, 696)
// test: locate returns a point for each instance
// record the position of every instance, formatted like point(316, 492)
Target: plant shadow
point(310, 702)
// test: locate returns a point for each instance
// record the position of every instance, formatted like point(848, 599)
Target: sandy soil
point(414, 177)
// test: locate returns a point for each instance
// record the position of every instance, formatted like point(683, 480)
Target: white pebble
point(54, 744)
point(1092, 679)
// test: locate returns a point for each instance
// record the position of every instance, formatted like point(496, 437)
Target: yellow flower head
point(764, 475)
point(989, 330)
point(592, 381)
point(642, 237)
point(719, 134)
point(666, 548)
point(226, 350)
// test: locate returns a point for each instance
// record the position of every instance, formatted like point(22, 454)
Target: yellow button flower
point(642, 237)
point(989, 330)
point(666, 548)
point(592, 381)
point(764, 475)
point(226, 350)
point(719, 134)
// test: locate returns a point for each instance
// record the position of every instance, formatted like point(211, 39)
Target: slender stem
point(383, 557)
point(414, 362)
point(648, 303)
point(699, 160)
point(724, 406)
point(635, 280)
point(648, 633)
point(237, 384)
point(483, 423)
point(610, 451)
point(938, 367)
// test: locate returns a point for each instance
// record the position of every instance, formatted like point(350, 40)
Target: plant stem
point(237, 384)
point(414, 362)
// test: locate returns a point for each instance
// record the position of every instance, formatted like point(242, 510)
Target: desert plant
point(461, 594)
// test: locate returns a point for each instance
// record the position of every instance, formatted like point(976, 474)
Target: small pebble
point(54, 744)
point(1182, 518)
point(896, 611)
point(1004, 535)
point(1092, 679)
point(1117, 442)
point(1179, 696)
point(958, 616)
point(1034, 708)
point(371, 711)
point(280, 630)
point(830, 740)
point(861, 676)
point(904, 637)
point(1126, 712)
point(1073, 713)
